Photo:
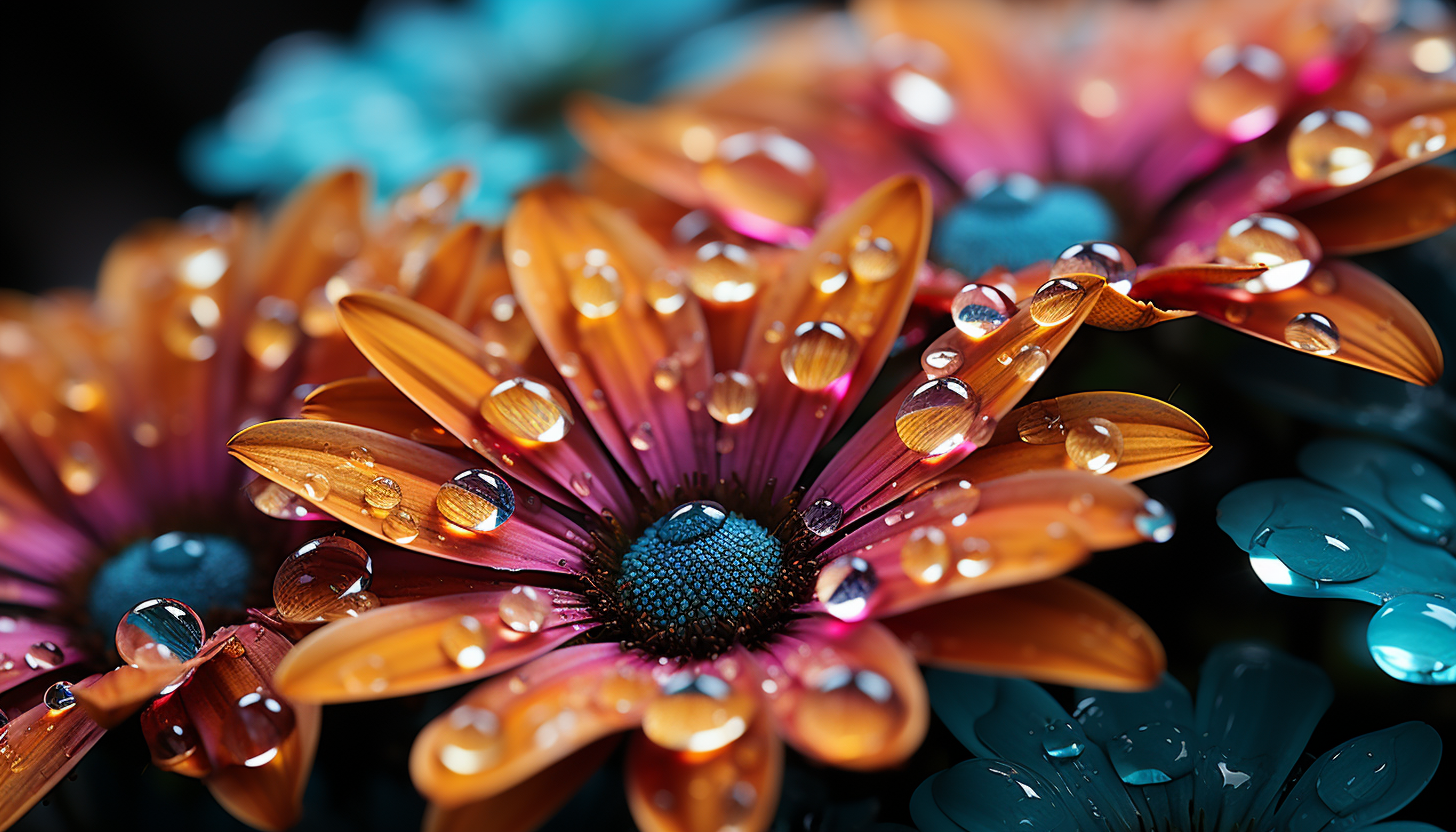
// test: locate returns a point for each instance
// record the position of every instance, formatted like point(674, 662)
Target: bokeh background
point(98, 102)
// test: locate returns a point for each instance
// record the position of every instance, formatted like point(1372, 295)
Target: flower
point(1151, 761)
point(1068, 128)
point(1372, 527)
point(121, 511)
point(645, 559)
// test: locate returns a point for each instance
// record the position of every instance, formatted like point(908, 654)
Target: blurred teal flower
point(1158, 762)
point(1372, 527)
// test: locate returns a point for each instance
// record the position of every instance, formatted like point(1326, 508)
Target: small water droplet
point(1158, 752)
point(58, 697)
point(666, 293)
point(937, 416)
point(1056, 301)
point(470, 741)
point(1420, 135)
point(844, 587)
point(1154, 522)
point(925, 557)
point(524, 609)
point(316, 486)
point(313, 582)
point(941, 362)
point(820, 354)
point(979, 310)
point(161, 631)
point(361, 458)
point(255, 727)
point(692, 521)
point(465, 642)
point(1334, 147)
point(823, 517)
point(1029, 363)
point(44, 655)
point(528, 409)
point(1094, 444)
point(723, 272)
point(477, 500)
point(1312, 332)
point(581, 483)
point(569, 365)
point(400, 527)
point(829, 273)
point(732, 397)
point(273, 334)
point(667, 375)
point(595, 290)
point(80, 469)
point(872, 258)
point(697, 712)
point(382, 493)
point(1062, 740)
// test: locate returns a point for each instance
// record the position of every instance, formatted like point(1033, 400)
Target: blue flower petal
point(1409, 490)
point(982, 795)
point(1363, 780)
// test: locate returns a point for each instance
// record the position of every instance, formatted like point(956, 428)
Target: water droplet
point(1158, 752)
point(666, 293)
point(464, 642)
point(595, 290)
point(361, 458)
point(873, 259)
point(848, 714)
point(941, 362)
point(524, 609)
point(829, 273)
point(44, 655)
point(273, 334)
point(1029, 363)
point(1322, 539)
point(692, 521)
point(1041, 424)
point(979, 310)
point(528, 409)
point(925, 557)
point(766, 173)
point(1056, 301)
point(58, 697)
point(400, 527)
point(1334, 147)
point(1312, 332)
point(159, 632)
point(1094, 444)
point(1062, 740)
point(382, 493)
point(276, 501)
point(937, 416)
point(732, 397)
point(1413, 638)
point(581, 483)
point(255, 727)
point(823, 517)
point(723, 272)
point(1154, 522)
point(313, 582)
point(470, 741)
point(820, 354)
point(1358, 774)
point(845, 585)
point(697, 712)
point(1241, 91)
point(477, 500)
point(81, 396)
point(1285, 245)
point(1420, 135)
point(569, 365)
point(80, 469)
point(1109, 261)
point(365, 674)
point(316, 486)
point(773, 333)
point(667, 375)
point(187, 327)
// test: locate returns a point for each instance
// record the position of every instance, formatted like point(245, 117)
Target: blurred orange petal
point(375, 403)
point(529, 804)
point(1409, 206)
point(733, 787)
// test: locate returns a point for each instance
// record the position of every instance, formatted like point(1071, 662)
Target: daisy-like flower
point(1163, 761)
point(123, 517)
point(1375, 525)
point(1086, 128)
point(658, 564)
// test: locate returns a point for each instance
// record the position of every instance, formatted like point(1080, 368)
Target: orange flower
point(645, 558)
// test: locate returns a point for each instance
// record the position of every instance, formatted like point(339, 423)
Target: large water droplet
point(820, 354)
point(1241, 91)
point(58, 697)
point(44, 655)
point(1413, 638)
point(665, 293)
point(1158, 752)
point(979, 310)
point(465, 642)
point(524, 609)
point(382, 493)
point(470, 741)
point(1283, 244)
point(256, 726)
point(1094, 444)
point(158, 632)
point(596, 289)
point(1056, 301)
point(692, 521)
point(277, 501)
point(400, 527)
point(925, 557)
point(844, 587)
point(1062, 740)
point(941, 361)
point(937, 416)
point(1322, 539)
point(848, 714)
point(732, 397)
point(313, 582)
point(723, 272)
point(1109, 261)
point(823, 517)
point(1420, 135)
point(477, 500)
point(766, 173)
point(1312, 332)
point(1029, 363)
point(697, 712)
point(1334, 147)
point(872, 258)
point(528, 409)
point(316, 486)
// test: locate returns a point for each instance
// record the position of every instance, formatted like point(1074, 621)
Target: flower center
point(204, 571)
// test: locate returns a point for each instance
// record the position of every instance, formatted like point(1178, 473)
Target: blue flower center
point(700, 567)
point(1016, 222)
point(204, 571)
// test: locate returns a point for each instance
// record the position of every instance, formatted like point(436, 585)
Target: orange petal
point(331, 464)
point(956, 539)
point(957, 411)
point(313, 235)
point(1151, 437)
point(425, 645)
point(122, 692)
point(270, 796)
point(1060, 631)
point(734, 787)
point(848, 695)
point(1120, 313)
point(529, 804)
point(831, 325)
point(510, 728)
point(446, 371)
point(41, 747)
point(1409, 206)
point(1373, 325)
point(466, 280)
point(375, 403)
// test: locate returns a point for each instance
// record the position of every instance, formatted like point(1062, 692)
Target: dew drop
point(1312, 332)
point(316, 486)
point(697, 713)
point(273, 334)
point(1154, 522)
point(844, 587)
point(187, 327)
point(1041, 424)
point(1094, 444)
point(44, 655)
point(667, 375)
point(820, 354)
point(595, 290)
point(1241, 91)
point(1158, 752)
point(823, 517)
point(723, 272)
point(925, 557)
point(979, 310)
point(58, 697)
point(477, 500)
point(361, 458)
point(400, 527)
point(1283, 244)
point(1029, 363)
point(528, 409)
point(1334, 147)
point(766, 173)
point(470, 741)
point(1109, 261)
point(937, 416)
point(829, 273)
point(1413, 638)
point(276, 501)
point(313, 582)
point(692, 521)
point(464, 642)
point(872, 258)
point(1062, 740)
point(666, 293)
point(1056, 301)
point(255, 727)
point(159, 632)
point(1420, 135)
point(382, 493)
point(732, 397)
point(524, 609)
point(80, 469)
point(848, 714)
point(941, 362)
point(581, 484)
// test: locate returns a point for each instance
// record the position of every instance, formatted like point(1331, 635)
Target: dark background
point(97, 101)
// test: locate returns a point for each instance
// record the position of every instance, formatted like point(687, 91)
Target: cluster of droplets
point(1290, 252)
point(1092, 443)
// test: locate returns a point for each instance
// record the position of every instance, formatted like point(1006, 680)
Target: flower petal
point(736, 786)
point(1409, 206)
point(833, 364)
point(529, 804)
point(513, 726)
point(1153, 437)
point(957, 540)
point(23, 637)
point(1366, 322)
point(41, 747)
point(848, 695)
point(376, 404)
point(269, 797)
point(321, 461)
point(124, 691)
point(1060, 631)
point(446, 371)
point(427, 645)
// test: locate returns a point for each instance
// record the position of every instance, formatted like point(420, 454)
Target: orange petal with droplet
point(41, 747)
point(375, 403)
point(529, 804)
point(424, 645)
point(1059, 631)
point(734, 787)
point(270, 796)
point(1153, 437)
point(122, 692)
point(1409, 206)
point(466, 280)
point(513, 726)
point(322, 462)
